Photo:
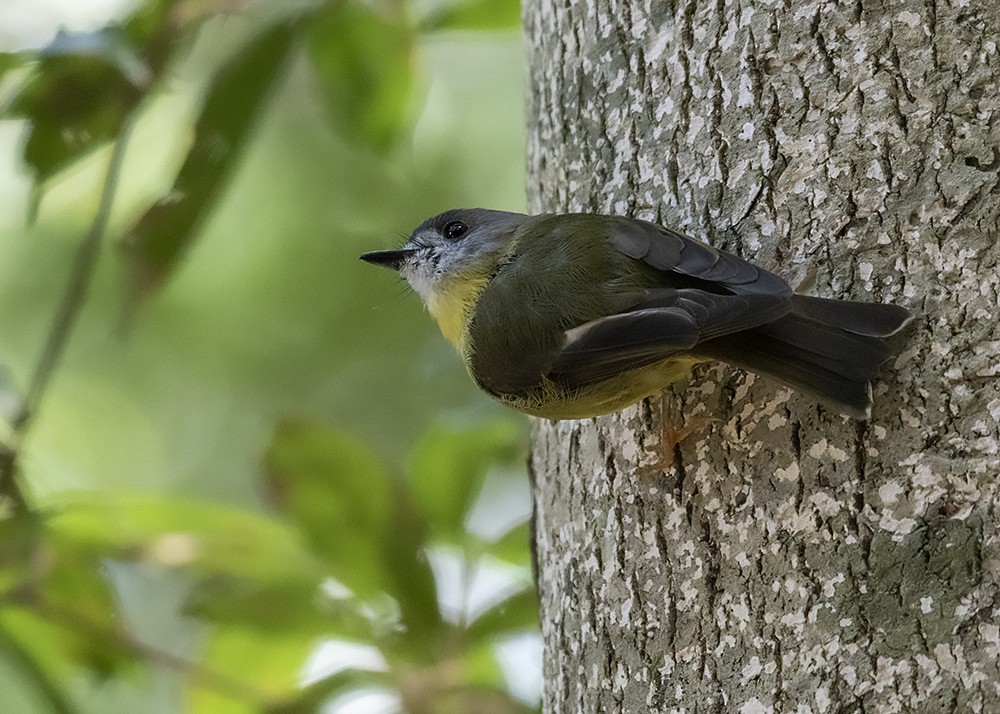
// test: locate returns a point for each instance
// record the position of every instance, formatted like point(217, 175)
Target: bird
point(575, 315)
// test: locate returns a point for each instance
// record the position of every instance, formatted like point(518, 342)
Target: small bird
point(568, 316)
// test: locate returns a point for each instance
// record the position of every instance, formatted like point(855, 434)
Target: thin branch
point(11, 495)
point(73, 299)
point(78, 286)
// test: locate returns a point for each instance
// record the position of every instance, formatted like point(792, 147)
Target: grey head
point(456, 242)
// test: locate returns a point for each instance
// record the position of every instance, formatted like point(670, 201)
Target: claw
point(671, 436)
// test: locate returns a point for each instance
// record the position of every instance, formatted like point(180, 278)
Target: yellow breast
point(451, 305)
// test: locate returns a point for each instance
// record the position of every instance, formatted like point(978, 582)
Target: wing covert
point(666, 322)
point(668, 250)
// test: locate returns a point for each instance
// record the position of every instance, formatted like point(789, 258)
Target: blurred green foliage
point(183, 528)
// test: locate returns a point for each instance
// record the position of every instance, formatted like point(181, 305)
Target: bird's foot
point(671, 435)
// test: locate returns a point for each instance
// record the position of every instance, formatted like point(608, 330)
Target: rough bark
point(783, 558)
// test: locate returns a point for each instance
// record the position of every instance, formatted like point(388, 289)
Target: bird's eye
point(455, 230)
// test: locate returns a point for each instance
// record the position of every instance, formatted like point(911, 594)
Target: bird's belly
point(553, 401)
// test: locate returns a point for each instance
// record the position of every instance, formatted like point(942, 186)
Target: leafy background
point(240, 470)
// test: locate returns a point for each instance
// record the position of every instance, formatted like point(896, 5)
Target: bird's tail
point(831, 349)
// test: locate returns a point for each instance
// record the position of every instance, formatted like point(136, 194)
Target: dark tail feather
point(831, 349)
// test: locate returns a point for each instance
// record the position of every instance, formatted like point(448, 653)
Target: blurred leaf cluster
point(79, 92)
point(341, 539)
point(342, 555)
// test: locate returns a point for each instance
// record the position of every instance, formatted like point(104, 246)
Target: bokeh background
point(258, 479)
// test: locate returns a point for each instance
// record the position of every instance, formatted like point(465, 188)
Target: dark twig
point(65, 319)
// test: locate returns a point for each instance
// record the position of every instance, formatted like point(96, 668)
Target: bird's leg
point(671, 435)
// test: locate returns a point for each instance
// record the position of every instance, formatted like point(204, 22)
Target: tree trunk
point(782, 558)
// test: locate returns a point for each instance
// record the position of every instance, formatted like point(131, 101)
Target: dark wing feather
point(718, 314)
point(860, 318)
point(666, 323)
point(610, 345)
point(667, 250)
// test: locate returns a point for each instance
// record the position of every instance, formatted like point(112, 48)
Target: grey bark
point(782, 558)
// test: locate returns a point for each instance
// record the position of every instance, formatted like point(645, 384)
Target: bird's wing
point(669, 251)
point(610, 345)
point(664, 323)
point(727, 295)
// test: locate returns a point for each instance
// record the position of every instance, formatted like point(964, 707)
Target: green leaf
point(412, 584)
point(45, 682)
point(316, 694)
point(154, 28)
point(339, 495)
point(156, 243)
point(78, 97)
point(110, 44)
point(355, 516)
point(74, 593)
point(363, 60)
point(518, 613)
point(479, 665)
point(514, 546)
point(205, 538)
point(50, 580)
point(475, 15)
point(8, 62)
point(20, 542)
point(448, 466)
point(61, 641)
point(250, 669)
point(286, 606)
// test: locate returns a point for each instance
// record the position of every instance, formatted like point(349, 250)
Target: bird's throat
point(451, 305)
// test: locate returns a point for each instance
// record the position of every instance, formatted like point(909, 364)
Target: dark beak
point(393, 259)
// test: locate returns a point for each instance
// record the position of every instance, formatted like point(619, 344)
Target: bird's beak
point(393, 259)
